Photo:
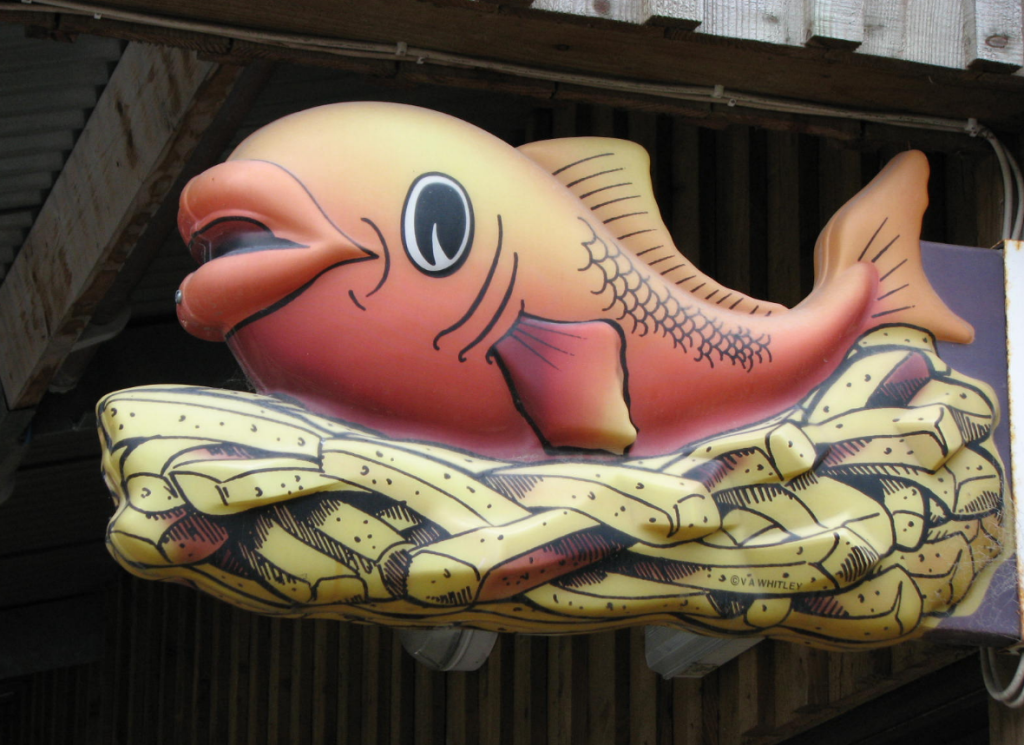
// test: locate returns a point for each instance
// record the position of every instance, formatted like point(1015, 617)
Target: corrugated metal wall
point(747, 204)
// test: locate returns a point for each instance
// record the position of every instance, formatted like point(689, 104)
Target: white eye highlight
point(437, 224)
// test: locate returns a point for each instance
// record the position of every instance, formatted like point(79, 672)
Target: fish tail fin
point(881, 226)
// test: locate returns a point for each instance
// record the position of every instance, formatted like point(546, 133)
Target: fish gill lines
point(480, 295)
point(652, 307)
point(497, 314)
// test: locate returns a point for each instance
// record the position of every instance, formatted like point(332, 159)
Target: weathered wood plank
point(989, 199)
point(841, 179)
point(560, 699)
point(643, 699)
point(623, 11)
point(687, 712)
point(202, 43)
point(601, 700)
point(992, 35)
point(491, 691)
point(523, 686)
point(835, 23)
point(455, 713)
point(738, 682)
point(147, 122)
point(768, 21)
point(732, 209)
point(930, 33)
point(1005, 725)
point(685, 14)
point(371, 682)
point(783, 217)
point(684, 221)
point(625, 50)
point(790, 721)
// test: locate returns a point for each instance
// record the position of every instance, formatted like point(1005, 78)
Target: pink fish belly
point(340, 364)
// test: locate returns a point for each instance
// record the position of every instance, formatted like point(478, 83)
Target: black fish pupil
point(440, 205)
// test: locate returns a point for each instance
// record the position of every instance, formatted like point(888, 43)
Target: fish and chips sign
point(493, 394)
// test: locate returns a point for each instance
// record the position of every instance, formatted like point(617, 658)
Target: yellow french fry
point(603, 599)
point(883, 608)
point(225, 487)
point(453, 571)
point(650, 507)
point(434, 489)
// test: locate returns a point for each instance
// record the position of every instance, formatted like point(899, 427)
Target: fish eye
point(437, 224)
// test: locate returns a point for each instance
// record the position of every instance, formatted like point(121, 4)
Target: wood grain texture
point(992, 35)
point(624, 11)
point(930, 33)
point(170, 641)
point(783, 218)
point(684, 14)
point(544, 40)
point(560, 690)
point(643, 686)
point(768, 21)
point(1006, 725)
point(148, 120)
point(835, 23)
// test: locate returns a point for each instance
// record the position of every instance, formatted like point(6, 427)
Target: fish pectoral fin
point(569, 381)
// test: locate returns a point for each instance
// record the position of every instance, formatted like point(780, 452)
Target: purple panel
point(970, 281)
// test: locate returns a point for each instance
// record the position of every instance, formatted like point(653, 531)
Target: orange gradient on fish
point(403, 270)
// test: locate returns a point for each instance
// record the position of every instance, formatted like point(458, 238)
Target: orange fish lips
point(260, 239)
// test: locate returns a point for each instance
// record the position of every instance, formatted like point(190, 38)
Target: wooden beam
point(12, 446)
point(835, 23)
point(808, 689)
point(992, 35)
point(147, 122)
point(1005, 725)
point(685, 14)
point(546, 41)
point(621, 11)
point(39, 637)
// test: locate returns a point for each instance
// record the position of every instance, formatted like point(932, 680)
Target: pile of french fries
point(855, 519)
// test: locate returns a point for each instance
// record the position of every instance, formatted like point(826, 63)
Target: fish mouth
point(260, 238)
point(235, 235)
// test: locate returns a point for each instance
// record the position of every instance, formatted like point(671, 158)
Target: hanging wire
point(1012, 694)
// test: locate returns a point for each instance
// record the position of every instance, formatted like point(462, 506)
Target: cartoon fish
point(406, 271)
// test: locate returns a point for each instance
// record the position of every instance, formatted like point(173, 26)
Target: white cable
point(1018, 223)
point(1013, 693)
point(1004, 168)
point(1013, 207)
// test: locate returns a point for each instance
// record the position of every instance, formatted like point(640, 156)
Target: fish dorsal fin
point(612, 178)
point(881, 225)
